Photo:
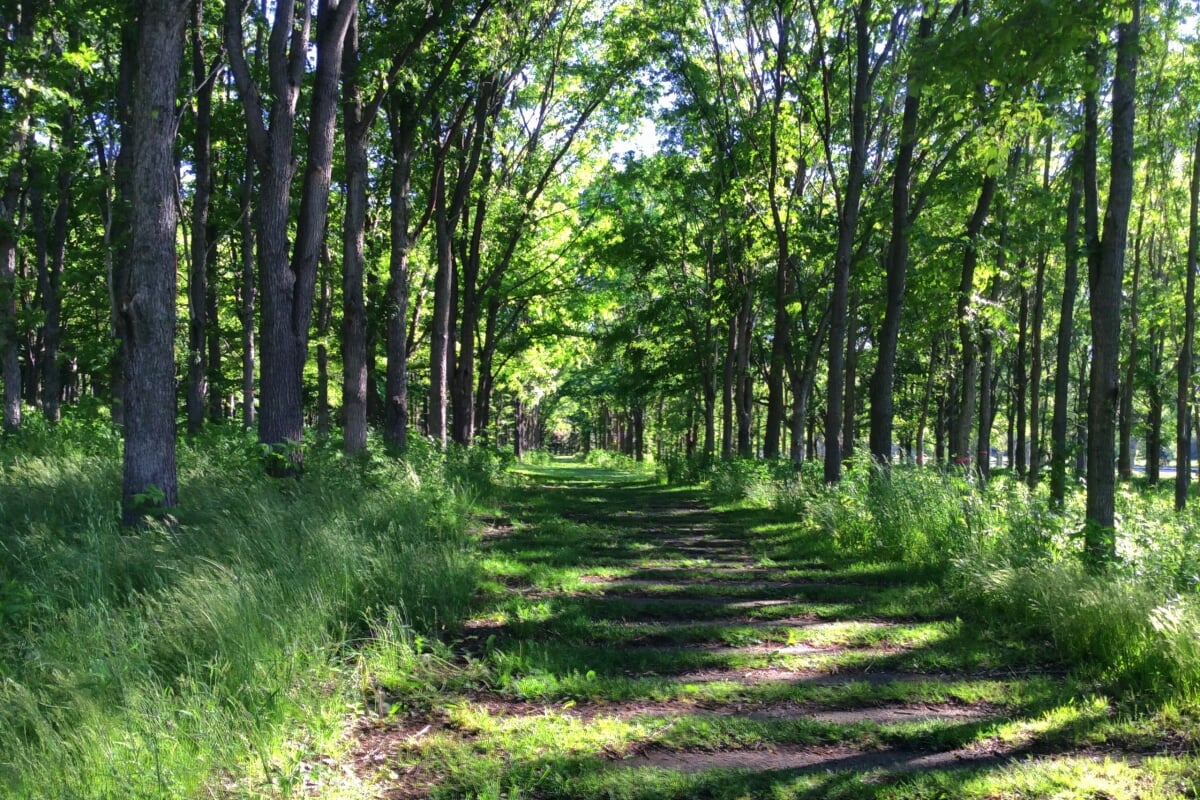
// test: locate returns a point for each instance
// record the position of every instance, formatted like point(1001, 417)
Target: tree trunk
point(1105, 293)
point(289, 274)
point(1154, 416)
point(324, 323)
point(149, 306)
point(960, 435)
point(354, 307)
point(197, 385)
point(1035, 372)
point(849, 423)
point(727, 393)
point(249, 291)
point(1060, 449)
point(883, 379)
point(1021, 381)
point(743, 379)
point(402, 127)
point(1183, 449)
point(1125, 407)
point(847, 228)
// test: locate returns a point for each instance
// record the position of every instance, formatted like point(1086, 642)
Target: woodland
point(303, 305)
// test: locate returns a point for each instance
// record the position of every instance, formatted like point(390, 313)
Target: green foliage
point(138, 662)
point(1013, 560)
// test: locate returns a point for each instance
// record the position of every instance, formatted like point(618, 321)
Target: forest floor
point(633, 642)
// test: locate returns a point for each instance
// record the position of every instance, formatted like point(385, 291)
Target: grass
point(628, 641)
point(216, 651)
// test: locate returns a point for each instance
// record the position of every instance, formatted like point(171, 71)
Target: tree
point(1104, 283)
point(289, 273)
point(148, 307)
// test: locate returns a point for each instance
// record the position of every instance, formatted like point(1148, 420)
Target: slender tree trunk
point(849, 424)
point(1021, 382)
point(727, 393)
point(197, 386)
point(149, 307)
point(743, 379)
point(1035, 372)
point(1154, 416)
point(883, 379)
point(1105, 293)
point(923, 416)
point(1060, 452)
point(249, 291)
point(354, 307)
point(395, 415)
point(983, 448)
point(1125, 407)
point(960, 444)
point(847, 229)
point(1186, 367)
point(324, 324)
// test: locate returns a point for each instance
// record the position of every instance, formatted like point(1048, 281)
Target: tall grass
point(176, 659)
point(1013, 560)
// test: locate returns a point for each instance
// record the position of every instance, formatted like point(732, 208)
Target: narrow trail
point(631, 642)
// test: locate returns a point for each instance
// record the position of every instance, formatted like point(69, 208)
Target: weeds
point(146, 662)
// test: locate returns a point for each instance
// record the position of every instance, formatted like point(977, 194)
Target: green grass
point(223, 646)
point(607, 632)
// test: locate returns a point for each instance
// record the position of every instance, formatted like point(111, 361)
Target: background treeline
point(865, 226)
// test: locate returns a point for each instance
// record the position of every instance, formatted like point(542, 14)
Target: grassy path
point(631, 642)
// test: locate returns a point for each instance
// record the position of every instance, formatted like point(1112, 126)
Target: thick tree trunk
point(1105, 294)
point(289, 275)
point(149, 306)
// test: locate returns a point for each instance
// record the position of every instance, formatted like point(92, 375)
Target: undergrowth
point(1010, 558)
point(180, 658)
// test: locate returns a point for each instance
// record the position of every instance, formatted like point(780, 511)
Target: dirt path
point(631, 642)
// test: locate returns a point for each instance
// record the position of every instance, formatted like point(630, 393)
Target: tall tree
point(1104, 284)
point(289, 272)
point(148, 307)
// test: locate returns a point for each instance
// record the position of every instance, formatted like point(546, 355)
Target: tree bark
point(148, 307)
point(1105, 288)
point(289, 274)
